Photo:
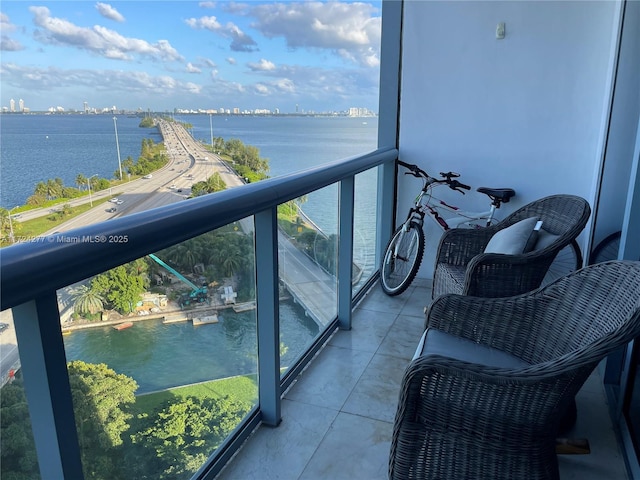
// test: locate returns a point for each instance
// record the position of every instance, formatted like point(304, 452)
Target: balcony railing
point(32, 273)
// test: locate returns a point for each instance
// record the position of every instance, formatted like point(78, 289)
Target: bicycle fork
point(406, 226)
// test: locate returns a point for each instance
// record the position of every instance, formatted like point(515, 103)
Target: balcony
point(334, 416)
point(338, 416)
point(334, 419)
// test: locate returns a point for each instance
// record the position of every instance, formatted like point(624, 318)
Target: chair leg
point(569, 418)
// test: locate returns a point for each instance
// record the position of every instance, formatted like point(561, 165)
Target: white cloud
point(8, 44)
point(262, 66)
point(191, 68)
point(99, 40)
point(240, 42)
point(209, 63)
point(261, 89)
point(5, 24)
point(336, 26)
point(107, 11)
point(122, 84)
point(231, 61)
point(285, 85)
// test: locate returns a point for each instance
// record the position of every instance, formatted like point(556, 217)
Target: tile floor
point(337, 418)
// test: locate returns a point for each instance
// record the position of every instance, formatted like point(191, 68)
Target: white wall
point(528, 111)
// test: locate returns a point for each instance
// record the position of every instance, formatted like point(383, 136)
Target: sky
point(164, 55)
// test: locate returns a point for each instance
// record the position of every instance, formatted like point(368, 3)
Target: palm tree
point(8, 227)
point(41, 189)
point(86, 300)
point(81, 181)
point(54, 189)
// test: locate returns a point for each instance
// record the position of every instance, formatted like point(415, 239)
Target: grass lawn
point(40, 225)
point(243, 388)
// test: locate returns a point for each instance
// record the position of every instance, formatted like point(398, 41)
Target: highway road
point(189, 162)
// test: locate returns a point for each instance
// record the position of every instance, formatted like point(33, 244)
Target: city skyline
point(285, 56)
point(22, 107)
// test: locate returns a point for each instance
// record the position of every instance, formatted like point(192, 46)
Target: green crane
point(197, 294)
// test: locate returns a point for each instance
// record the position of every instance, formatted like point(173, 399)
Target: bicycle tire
point(398, 271)
point(567, 260)
point(607, 249)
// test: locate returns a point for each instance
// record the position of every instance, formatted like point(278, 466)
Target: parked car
point(112, 209)
point(114, 200)
point(148, 176)
point(3, 327)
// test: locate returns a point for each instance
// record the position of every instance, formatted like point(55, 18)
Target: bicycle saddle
point(502, 194)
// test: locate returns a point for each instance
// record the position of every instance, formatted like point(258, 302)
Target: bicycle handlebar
point(447, 177)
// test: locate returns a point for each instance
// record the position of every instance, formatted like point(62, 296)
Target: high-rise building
point(21, 105)
point(12, 105)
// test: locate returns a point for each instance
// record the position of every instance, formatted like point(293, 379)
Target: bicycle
point(404, 252)
point(607, 249)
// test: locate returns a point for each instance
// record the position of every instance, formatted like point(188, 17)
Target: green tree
point(121, 289)
point(67, 210)
point(70, 192)
point(53, 188)
point(102, 399)
point(147, 122)
point(41, 189)
point(100, 184)
point(127, 164)
point(81, 181)
point(36, 199)
point(184, 433)
point(231, 259)
point(86, 300)
point(18, 459)
point(211, 185)
point(7, 225)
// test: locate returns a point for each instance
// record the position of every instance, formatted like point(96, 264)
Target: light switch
point(500, 31)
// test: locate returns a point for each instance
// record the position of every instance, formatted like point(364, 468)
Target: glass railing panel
point(365, 227)
point(162, 356)
point(18, 457)
point(308, 258)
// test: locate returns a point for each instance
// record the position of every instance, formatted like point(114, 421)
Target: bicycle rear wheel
point(607, 249)
point(567, 260)
point(402, 259)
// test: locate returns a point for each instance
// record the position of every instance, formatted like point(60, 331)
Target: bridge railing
point(33, 272)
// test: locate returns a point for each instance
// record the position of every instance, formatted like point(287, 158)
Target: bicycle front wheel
point(402, 259)
point(567, 260)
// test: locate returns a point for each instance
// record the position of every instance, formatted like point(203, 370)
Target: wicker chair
point(463, 267)
point(498, 419)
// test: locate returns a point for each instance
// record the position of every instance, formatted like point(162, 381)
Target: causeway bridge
point(311, 286)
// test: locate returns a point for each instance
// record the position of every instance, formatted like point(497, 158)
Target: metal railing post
point(345, 252)
point(46, 383)
point(268, 315)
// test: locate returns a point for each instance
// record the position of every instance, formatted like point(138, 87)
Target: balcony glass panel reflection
point(365, 227)
point(308, 259)
point(162, 356)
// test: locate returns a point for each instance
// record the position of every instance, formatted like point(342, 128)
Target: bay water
point(35, 148)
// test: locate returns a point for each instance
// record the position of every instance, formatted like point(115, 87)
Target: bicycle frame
point(434, 207)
